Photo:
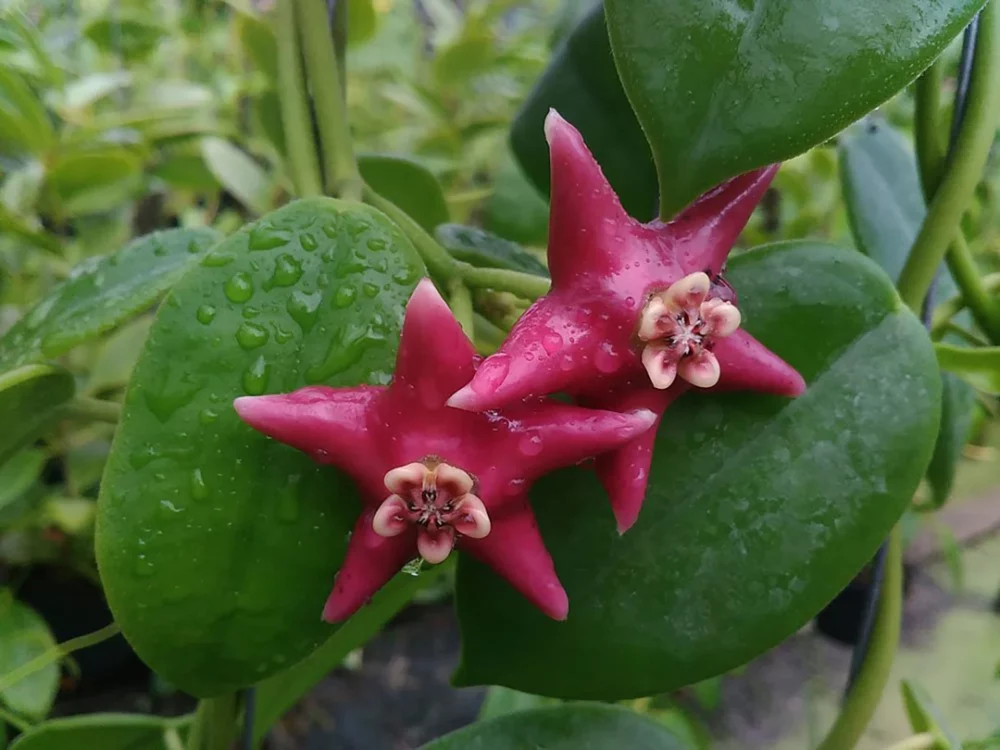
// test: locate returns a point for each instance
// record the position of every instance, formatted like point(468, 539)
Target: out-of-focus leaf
point(267, 113)
point(98, 732)
point(925, 717)
point(501, 701)
point(466, 57)
point(958, 403)
point(186, 171)
point(85, 463)
point(408, 184)
point(481, 248)
point(91, 88)
point(257, 40)
point(25, 126)
point(18, 473)
point(113, 366)
point(238, 173)
point(516, 210)
point(72, 515)
point(128, 35)
point(24, 636)
point(30, 398)
point(362, 21)
point(93, 181)
point(163, 95)
point(979, 365)
point(22, 187)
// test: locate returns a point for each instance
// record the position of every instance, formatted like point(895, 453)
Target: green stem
point(927, 127)
point(340, 169)
point(214, 723)
point(299, 143)
point(950, 308)
point(93, 409)
point(21, 725)
point(488, 336)
point(984, 308)
point(964, 169)
point(60, 651)
point(964, 333)
point(922, 741)
point(524, 285)
point(460, 301)
point(863, 699)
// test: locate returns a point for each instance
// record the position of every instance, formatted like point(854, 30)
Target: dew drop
point(404, 275)
point(265, 238)
point(302, 307)
point(370, 290)
point(239, 288)
point(251, 335)
point(566, 362)
point(256, 376)
point(250, 311)
point(308, 242)
point(287, 271)
point(194, 247)
point(281, 335)
point(551, 342)
point(207, 416)
point(376, 243)
point(344, 296)
point(160, 250)
point(143, 567)
point(205, 314)
point(218, 259)
point(199, 491)
point(168, 509)
point(607, 360)
point(530, 445)
point(491, 374)
point(330, 230)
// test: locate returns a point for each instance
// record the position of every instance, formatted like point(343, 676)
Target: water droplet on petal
point(607, 360)
point(551, 342)
point(491, 374)
point(530, 445)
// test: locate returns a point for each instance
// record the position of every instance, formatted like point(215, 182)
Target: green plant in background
point(177, 131)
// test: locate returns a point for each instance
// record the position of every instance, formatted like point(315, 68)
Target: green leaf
point(24, 636)
point(759, 510)
point(466, 57)
point(958, 404)
point(17, 474)
point(98, 732)
point(30, 397)
point(501, 701)
point(311, 293)
point(25, 126)
point(91, 88)
point(22, 187)
point(95, 180)
point(885, 207)
point(186, 171)
point(582, 84)
point(102, 293)
point(723, 87)
point(577, 727)
point(128, 36)
point(983, 360)
point(113, 366)
point(279, 693)
point(267, 114)
point(480, 248)
point(260, 45)
point(516, 210)
point(408, 184)
point(362, 21)
point(238, 173)
point(925, 717)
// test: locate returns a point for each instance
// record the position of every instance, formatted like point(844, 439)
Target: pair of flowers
point(444, 456)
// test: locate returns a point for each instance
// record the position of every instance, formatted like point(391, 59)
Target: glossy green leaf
point(17, 474)
point(501, 701)
point(24, 636)
point(238, 173)
point(577, 727)
point(723, 87)
point(885, 207)
point(759, 508)
point(925, 717)
point(216, 545)
point(102, 293)
point(279, 693)
point(958, 404)
point(25, 126)
point(94, 181)
point(408, 184)
point(30, 397)
point(480, 248)
point(98, 732)
point(582, 84)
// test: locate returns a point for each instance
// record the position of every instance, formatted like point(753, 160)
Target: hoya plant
point(653, 451)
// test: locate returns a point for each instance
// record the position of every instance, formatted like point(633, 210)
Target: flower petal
point(470, 517)
point(452, 481)
point(404, 479)
point(435, 545)
point(660, 365)
point(688, 293)
point(392, 517)
point(701, 370)
point(722, 317)
point(656, 321)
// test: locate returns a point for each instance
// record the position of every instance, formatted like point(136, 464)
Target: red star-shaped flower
point(431, 476)
point(637, 314)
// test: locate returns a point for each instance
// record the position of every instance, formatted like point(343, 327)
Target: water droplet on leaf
point(239, 288)
point(205, 314)
point(250, 336)
point(265, 238)
point(256, 376)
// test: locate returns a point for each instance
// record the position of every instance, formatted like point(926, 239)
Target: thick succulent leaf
point(723, 87)
point(582, 84)
point(30, 398)
point(98, 732)
point(885, 207)
point(408, 184)
point(23, 637)
point(238, 173)
point(102, 293)
point(759, 508)
point(481, 248)
point(584, 726)
point(216, 545)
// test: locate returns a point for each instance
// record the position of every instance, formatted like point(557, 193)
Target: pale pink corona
point(637, 314)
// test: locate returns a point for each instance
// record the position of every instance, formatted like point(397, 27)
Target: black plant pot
point(841, 619)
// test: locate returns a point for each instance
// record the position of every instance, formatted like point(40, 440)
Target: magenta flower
point(637, 313)
point(432, 477)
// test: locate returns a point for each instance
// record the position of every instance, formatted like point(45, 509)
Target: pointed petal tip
point(254, 410)
point(334, 612)
point(464, 399)
point(553, 123)
point(425, 295)
point(556, 604)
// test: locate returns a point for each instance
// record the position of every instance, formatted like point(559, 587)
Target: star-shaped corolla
point(637, 313)
point(432, 477)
